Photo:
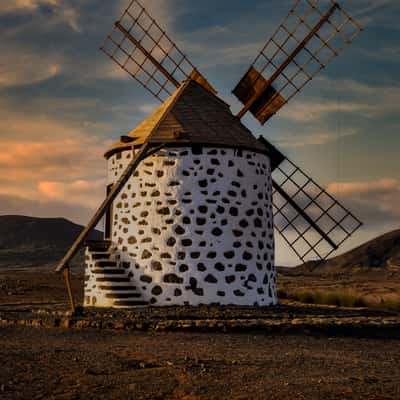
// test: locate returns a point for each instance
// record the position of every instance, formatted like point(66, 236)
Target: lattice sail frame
point(309, 38)
point(141, 47)
point(335, 224)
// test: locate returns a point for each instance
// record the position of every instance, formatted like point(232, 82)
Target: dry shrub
point(342, 299)
point(387, 305)
point(336, 298)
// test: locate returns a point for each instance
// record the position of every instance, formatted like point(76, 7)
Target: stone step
point(130, 303)
point(123, 295)
point(97, 242)
point(109, 271)
point(101, 256)
point(106, 263)
point(98, 249)
point(117, 279)
point(126, 288)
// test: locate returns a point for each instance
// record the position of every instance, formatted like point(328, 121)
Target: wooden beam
point(144, 152)
point(148, 55)
point(300, 47)
point(67, 277)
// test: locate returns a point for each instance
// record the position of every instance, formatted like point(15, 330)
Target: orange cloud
point(374, 199)
point(69, 170)
point(357, 188)
point(46, 160)
point(80, 192)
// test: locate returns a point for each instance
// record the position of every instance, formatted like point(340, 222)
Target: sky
point(63, 103)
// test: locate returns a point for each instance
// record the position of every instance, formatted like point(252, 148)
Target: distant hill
point(29, 241)
point(382, 252)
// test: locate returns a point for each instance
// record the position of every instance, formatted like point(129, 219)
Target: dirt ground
point(57, 363)
point(37, 286)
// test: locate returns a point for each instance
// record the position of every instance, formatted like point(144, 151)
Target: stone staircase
point(108, 283)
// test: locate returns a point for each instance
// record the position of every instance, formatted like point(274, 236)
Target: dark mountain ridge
point(26, 241)
point(380, 253)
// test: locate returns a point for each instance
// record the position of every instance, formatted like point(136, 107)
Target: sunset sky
point(62, 102)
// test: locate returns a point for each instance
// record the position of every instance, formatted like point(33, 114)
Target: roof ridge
point(212, 94)
point(194, 111)
point(167, 110)
point(229, 108)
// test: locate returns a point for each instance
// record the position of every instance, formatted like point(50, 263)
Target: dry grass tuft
point(340, 299)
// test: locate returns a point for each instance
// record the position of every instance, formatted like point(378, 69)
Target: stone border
point(346, 322)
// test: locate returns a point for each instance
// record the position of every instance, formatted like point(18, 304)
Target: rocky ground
point(289, 352)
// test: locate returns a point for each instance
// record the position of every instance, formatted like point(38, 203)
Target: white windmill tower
point(193, 197)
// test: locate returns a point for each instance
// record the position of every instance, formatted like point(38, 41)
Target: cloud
point(215, 52)
point(381, 98)
point(373, 13)
point(361, 188)
point(13, 5)
point(24, 60)
point(66, 175)
point(337, 109)
point(148, 108)
point(377, 202)
point(17, 205)
point(388, 54)
point(312, 110)
point(164, 12)
point(109, 70)
point(335, 97)
point(45, 159)
point(25, 164)
point(80, 192)
point(61, 11)
point(22, 67)
point(313, 138)
point(68, 148)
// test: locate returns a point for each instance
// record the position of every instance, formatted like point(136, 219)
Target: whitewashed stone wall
point(196, 226)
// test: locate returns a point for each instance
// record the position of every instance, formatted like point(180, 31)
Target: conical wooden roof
point(192, 115)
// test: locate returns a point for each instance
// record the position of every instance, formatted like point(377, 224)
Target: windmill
point(193, 197)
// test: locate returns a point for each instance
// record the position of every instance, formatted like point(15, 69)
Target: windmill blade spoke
point(308, 39)
point(141, 47)
point(311, 221)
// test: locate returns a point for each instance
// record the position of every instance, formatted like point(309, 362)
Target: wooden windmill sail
point(314, 32)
